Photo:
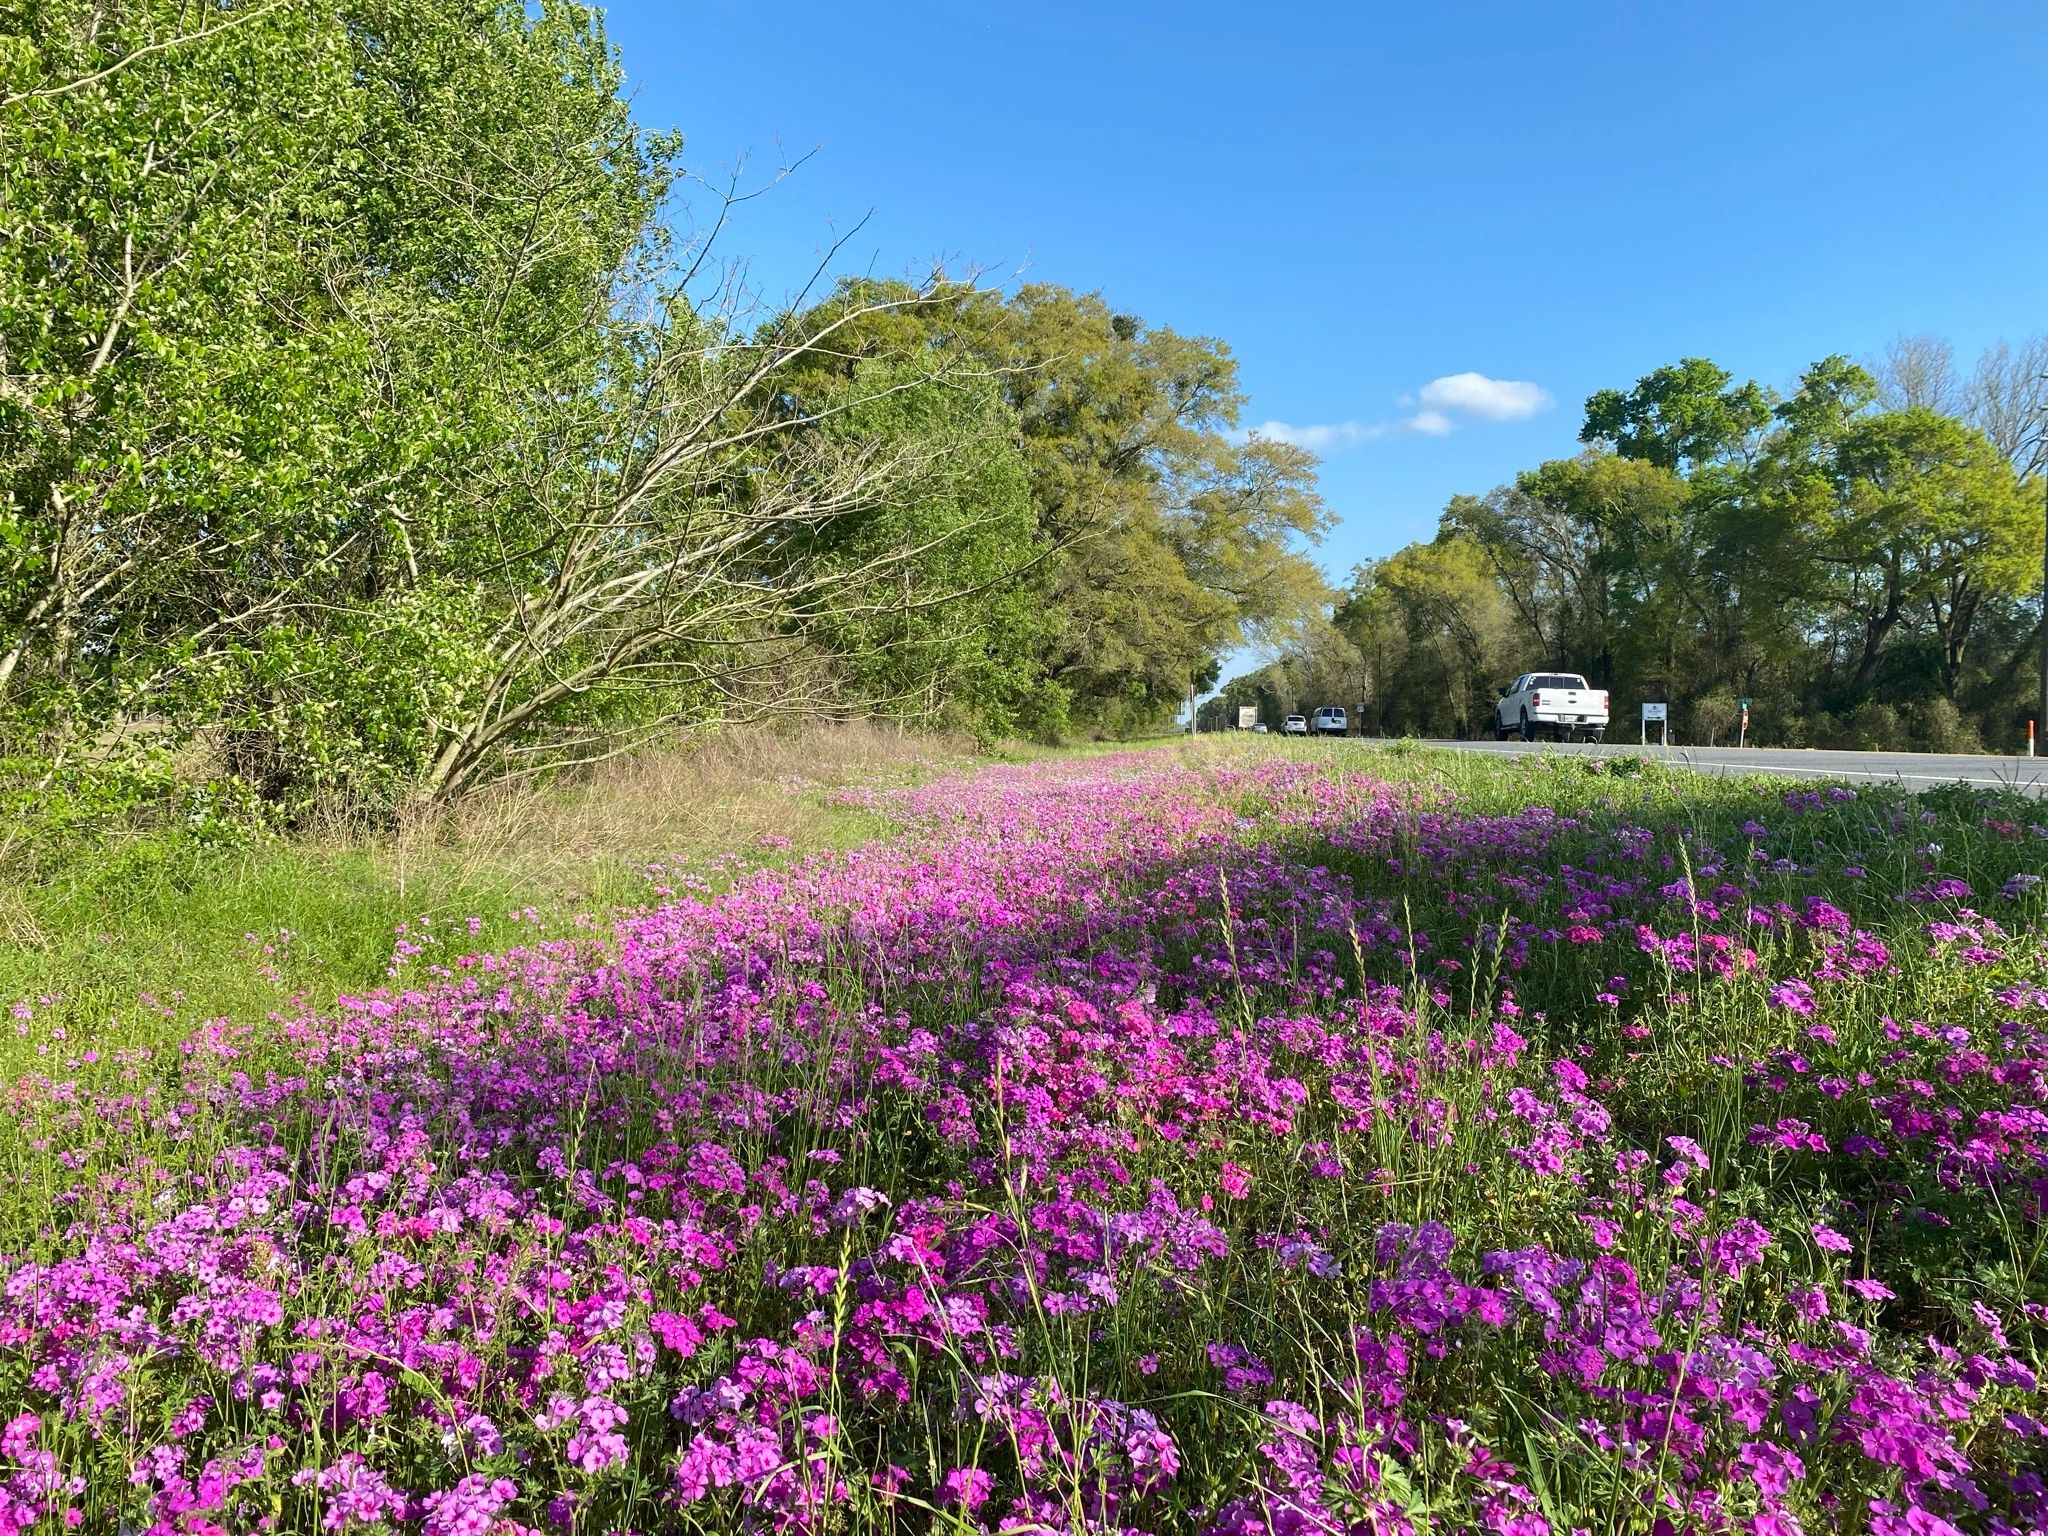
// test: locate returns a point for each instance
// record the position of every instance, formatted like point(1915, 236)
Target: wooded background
point(382, 416)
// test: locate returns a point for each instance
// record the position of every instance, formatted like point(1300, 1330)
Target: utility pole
point(2041, 703)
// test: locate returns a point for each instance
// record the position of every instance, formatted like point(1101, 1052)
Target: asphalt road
point(1913, 770)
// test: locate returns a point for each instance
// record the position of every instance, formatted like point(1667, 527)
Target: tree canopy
point(369, 414)
point(1861, 557)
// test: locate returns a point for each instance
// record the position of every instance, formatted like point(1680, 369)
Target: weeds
point(1229, 1142)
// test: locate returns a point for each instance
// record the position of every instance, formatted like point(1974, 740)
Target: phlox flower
point(856, 1203)
point(1948, 888)
point(966, 1488)
point(706, 1463)
point(470, 1508)
point(1317, 1260)
point(20, 1435)
point(1886, 1519)
point(354, 1493)
point(1810, 1302)
point(596, 1444)
point(1242, 1370)
point(1770, 1467)
point(1794, 995)
point(1154, 1458)
point(1740, 1246)
point(757, 1453)
point(1988, 1320)
point(676, 1332)
point(1033, 981)
point(1605, 1233)
point(1793, 1135)
point(1823, 916)
point(475, 1435)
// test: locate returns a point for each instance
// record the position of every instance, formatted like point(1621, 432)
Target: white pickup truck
point(1558, 704)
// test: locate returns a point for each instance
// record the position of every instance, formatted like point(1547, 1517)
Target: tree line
point(380, 414)
point(1860, 557)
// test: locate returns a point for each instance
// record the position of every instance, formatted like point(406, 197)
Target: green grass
point(130, 938)
point(1668, 1060)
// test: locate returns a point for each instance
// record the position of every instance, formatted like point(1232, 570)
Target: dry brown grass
point(171, 918)
point(585, 840)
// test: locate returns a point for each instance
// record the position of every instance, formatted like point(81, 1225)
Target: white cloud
point(1318, 437)
point(1474, 394)
point(1443, 403)
point(1326, 436)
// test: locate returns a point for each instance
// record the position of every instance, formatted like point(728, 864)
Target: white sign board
point(1660, 714)
point(1247, 716)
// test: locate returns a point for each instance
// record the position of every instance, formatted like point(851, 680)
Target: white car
point(1561, 705)
point(1294, 725)
point(1330, 722)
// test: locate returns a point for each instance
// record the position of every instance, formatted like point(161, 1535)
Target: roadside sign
point(1661, 714)
point(1247, 716)
point(1742, 704)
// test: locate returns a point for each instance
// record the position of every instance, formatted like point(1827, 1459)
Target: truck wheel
point(1595, 737)
point(1528, 731)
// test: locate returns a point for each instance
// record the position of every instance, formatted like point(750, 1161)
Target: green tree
point(282, 292)
point(949, 629)
point(1600, 558)
point(1923, 520)
point(1679, 417)
point(1847, 567)
point(1436, 633)
point(355, 400)
point(1168, 539)
point(1178, 543)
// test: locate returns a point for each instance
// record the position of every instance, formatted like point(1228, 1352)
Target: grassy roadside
point(133, 939)
point(1679, 1071)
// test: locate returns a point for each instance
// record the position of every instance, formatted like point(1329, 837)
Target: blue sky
point(1363, 199)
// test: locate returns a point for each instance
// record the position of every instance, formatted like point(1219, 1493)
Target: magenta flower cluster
point(1250, 1149)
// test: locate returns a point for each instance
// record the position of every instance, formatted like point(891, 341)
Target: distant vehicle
point(1560, 705)
point(1260, 729)
point(1294, 725)
point(1330, 722)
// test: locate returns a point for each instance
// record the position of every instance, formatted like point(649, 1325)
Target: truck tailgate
point(1571, 703)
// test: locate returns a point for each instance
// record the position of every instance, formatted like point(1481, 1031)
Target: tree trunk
point(1877, 629)
point(1954, 628)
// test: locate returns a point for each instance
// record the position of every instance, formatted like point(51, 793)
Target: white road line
point(2022, 777)
point(1698, 764)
